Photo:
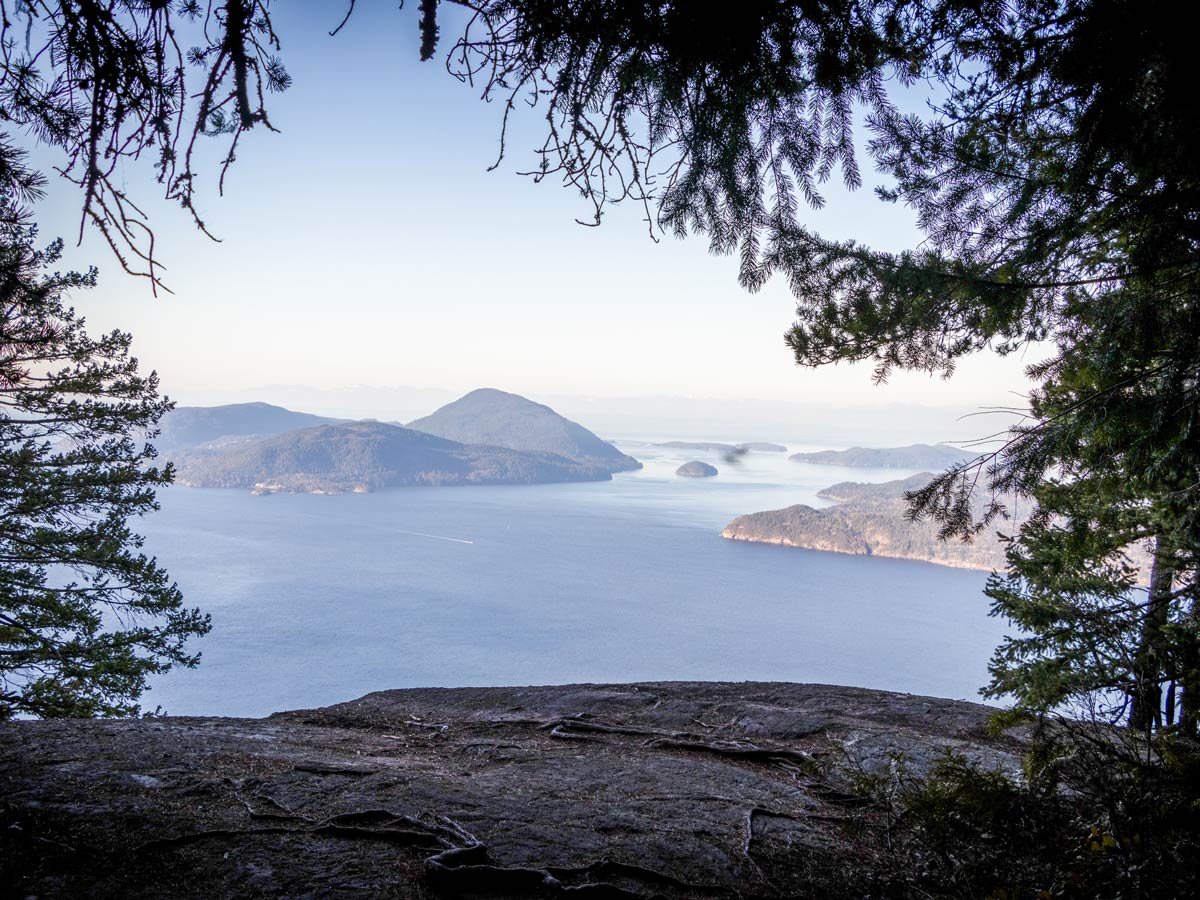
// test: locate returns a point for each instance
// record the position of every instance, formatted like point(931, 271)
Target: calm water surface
point(315, 599)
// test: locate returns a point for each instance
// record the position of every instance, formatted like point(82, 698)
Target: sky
point(370, 265)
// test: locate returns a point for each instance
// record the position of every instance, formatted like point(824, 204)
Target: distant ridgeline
point(870, 520)
point(189, 426)
point(760, 446)
point(934, 457)
point(268, 449)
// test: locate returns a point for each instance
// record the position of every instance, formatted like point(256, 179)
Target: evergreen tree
point(85, 617)
point(1104, 578)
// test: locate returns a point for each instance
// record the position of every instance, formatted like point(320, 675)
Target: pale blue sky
point(367, 247)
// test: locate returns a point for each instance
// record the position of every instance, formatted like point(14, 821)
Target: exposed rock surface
point(675, 790)
point(500, 419)
point(696, 469)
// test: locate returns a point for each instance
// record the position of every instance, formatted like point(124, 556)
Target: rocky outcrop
point(696, 469)
point(800, 526)
point(872, 520)
point(673, 790)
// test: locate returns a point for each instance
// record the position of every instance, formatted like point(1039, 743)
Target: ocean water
point(317, 599)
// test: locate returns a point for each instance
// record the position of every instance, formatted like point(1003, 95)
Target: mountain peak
point(497, 418)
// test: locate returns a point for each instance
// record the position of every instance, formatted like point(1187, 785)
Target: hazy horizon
point(664, 416)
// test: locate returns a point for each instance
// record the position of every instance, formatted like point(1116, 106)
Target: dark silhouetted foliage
point(85, 617)
point(1092, 817)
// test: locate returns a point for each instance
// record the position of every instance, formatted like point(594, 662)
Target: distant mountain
point(704, 445)
point(735, 449)
point(366, 456)
point(499, 419)
point(915, 456)
point(188, 426)
point(870, 521)
point(763, 447)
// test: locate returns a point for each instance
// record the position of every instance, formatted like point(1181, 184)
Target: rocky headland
point(871, 520)
point(668, 790)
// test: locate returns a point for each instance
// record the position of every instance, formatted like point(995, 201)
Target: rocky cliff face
point(674, 790)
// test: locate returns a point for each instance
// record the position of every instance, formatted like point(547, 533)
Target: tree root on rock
point(467, 869)
point(370, 824)
point(576, 729)
point(568, 729)
point(734, 750)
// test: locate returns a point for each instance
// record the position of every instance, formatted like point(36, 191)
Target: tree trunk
point(1146, 713)
point(1189, 705)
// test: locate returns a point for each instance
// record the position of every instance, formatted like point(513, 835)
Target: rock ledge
point(677, 790)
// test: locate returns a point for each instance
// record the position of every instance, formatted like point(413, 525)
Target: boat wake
point(436, 537)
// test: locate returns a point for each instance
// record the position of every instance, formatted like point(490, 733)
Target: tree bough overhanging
point(104, 82)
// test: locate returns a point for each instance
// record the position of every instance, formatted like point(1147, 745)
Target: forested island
point(486, 437)
point(368, 456)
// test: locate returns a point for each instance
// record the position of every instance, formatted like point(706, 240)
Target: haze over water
point(319, 599)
